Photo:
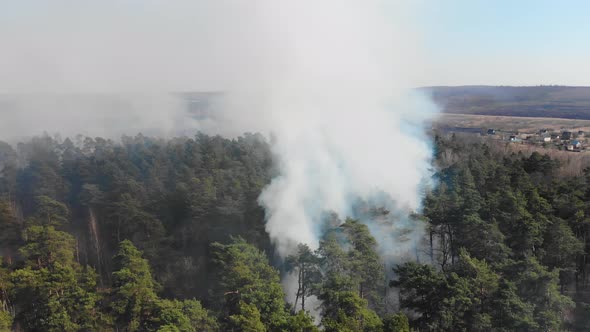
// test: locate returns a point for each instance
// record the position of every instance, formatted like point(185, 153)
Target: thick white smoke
point(334, 94)
point(329, 81)
point(327, 159)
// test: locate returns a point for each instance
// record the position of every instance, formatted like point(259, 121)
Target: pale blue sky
point(509, 42)
point(509, 26)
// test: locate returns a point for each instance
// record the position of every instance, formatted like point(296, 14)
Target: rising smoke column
point(328, 80)
point(333, 92)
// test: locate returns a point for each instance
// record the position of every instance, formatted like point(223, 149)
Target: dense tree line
point(507, 245)
point(166, 235)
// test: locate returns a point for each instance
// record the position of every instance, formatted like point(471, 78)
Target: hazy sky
point(508, 41)
point(186, 45)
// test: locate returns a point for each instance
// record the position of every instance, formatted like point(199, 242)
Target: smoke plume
point(328, 81)
point(334, 93)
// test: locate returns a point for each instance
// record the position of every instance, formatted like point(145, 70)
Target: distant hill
point(532, 101)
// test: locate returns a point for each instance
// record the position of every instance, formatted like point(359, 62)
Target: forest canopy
point(149, 234)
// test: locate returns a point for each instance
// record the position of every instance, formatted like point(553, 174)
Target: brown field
point(572, 163)
point(512, 123)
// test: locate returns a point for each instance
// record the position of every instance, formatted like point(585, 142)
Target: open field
point(569, 102)
point(572, 163)
point(512, 123)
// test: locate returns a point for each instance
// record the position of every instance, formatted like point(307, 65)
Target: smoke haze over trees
point(298, 191)
point(149, 234)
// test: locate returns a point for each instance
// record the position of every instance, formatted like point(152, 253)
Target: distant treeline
point(534, 101)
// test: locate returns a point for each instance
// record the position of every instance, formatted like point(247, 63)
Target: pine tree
point(249, 283)
point(133, 293)
point(306, 264)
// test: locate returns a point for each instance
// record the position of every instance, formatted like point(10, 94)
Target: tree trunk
point(303, 286)
point(431, 245)
point(451, 244)
point(298, 289)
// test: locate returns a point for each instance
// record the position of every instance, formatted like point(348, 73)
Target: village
point(565, 140)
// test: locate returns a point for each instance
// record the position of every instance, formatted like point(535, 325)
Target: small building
point(577, 144)
point(491, 132)
point(555, 137)
point(515, 139)
point(543, 131)
point(566, 135)
point(581, 133)
point(574, 145)
point(546, 138)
